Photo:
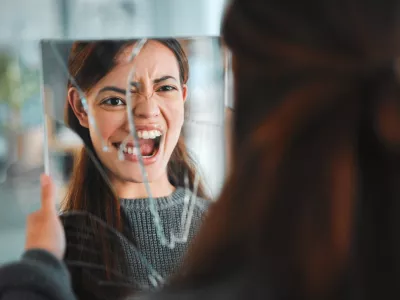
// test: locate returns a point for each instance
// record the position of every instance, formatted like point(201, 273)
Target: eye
point(166, 88)
point(113, 101)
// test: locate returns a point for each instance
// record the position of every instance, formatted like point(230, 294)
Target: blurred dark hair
point(88, 190)
point(311, 207)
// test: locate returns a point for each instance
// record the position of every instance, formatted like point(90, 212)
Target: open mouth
point(149, 144)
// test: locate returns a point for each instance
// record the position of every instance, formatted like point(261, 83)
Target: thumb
point(47, 193)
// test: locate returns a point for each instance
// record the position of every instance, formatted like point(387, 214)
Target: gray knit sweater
point(144, 258)
point(157, 257)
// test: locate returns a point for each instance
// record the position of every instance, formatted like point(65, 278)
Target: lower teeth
point(135, 152)
point(145, 156)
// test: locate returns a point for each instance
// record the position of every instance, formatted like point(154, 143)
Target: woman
point(311, 208)
point(158, 88)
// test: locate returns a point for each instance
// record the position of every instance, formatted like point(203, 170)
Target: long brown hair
point(88, 190)
point(311, 205)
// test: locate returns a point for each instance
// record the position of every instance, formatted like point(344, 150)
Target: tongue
point(147, 147)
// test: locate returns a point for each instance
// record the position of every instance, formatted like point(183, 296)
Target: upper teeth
point(148, 134)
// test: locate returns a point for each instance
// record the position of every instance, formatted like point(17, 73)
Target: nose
point(146, 109)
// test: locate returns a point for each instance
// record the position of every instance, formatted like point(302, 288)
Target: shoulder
point(73, 219)
point(38, 272)
point(76, 217)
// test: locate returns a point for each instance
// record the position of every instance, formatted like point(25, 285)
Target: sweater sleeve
point(37, 276)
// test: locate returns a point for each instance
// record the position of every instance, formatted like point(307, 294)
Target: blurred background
point(22, 24)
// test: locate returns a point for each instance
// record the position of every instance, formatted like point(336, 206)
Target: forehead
point(153, 60)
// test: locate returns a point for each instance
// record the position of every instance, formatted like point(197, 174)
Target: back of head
point(312, 200)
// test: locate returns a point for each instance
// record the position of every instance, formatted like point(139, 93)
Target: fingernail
point(44, 179)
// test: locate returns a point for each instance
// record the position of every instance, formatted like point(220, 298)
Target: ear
point(184, 92)
point(75, 102)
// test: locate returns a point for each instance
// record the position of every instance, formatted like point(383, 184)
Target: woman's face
point(157, 98)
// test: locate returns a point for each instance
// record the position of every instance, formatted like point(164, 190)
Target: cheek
point(107, 124)
point(174, 116)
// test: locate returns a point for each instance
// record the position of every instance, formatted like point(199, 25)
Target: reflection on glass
point(21, 146)
point(137, 192)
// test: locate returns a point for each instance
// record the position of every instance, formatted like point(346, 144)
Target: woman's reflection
point(159, 91)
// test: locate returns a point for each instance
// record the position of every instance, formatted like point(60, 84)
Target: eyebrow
point(112, 89)
point(155, 81)
point(164, 78)
point(134, 84)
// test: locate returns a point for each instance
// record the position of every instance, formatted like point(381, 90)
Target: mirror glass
point(135, 139)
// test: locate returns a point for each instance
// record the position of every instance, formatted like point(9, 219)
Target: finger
point(47, 193)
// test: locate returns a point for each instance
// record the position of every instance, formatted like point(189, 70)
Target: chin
point(135, 175)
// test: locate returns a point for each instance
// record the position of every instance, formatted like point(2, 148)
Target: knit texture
point(139, 219)
point(141, 258)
